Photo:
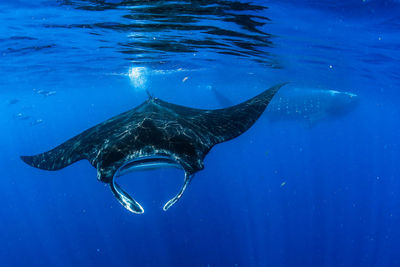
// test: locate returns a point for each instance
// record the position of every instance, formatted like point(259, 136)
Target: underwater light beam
point(138, 77)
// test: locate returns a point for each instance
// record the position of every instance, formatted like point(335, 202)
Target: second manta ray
point(154, 134)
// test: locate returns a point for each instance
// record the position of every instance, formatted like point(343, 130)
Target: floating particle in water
point(283, 183)
point(185, 79)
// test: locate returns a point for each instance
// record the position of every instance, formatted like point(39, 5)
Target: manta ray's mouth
point(145, 163)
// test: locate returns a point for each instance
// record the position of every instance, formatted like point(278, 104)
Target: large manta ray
point(154, 134)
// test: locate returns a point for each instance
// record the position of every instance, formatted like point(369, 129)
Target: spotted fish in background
point(310, 105)
point(304, 104)
point(154, 134)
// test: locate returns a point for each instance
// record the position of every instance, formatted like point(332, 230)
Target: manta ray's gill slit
point(148, 162)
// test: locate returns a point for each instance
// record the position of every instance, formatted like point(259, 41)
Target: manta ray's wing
point(213, 126)
point(82, 146)
point(221, 125)
point(59, 157)
point(228, 123)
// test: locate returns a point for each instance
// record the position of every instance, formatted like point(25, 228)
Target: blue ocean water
point(285, 193)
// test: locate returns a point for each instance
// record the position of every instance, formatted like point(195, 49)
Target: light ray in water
point(138, 77)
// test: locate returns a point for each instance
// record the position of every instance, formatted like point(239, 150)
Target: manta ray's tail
point(57, 158)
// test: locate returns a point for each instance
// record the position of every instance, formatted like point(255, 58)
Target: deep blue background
point(282, 194)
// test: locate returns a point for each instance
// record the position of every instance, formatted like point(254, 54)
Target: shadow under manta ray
point(154, 134)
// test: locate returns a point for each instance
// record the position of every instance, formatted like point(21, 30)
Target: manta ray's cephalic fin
point(172, 201)
point(125, 199)
point(133, 206)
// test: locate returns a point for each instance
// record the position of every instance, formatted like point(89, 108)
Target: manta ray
point(154, 134)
